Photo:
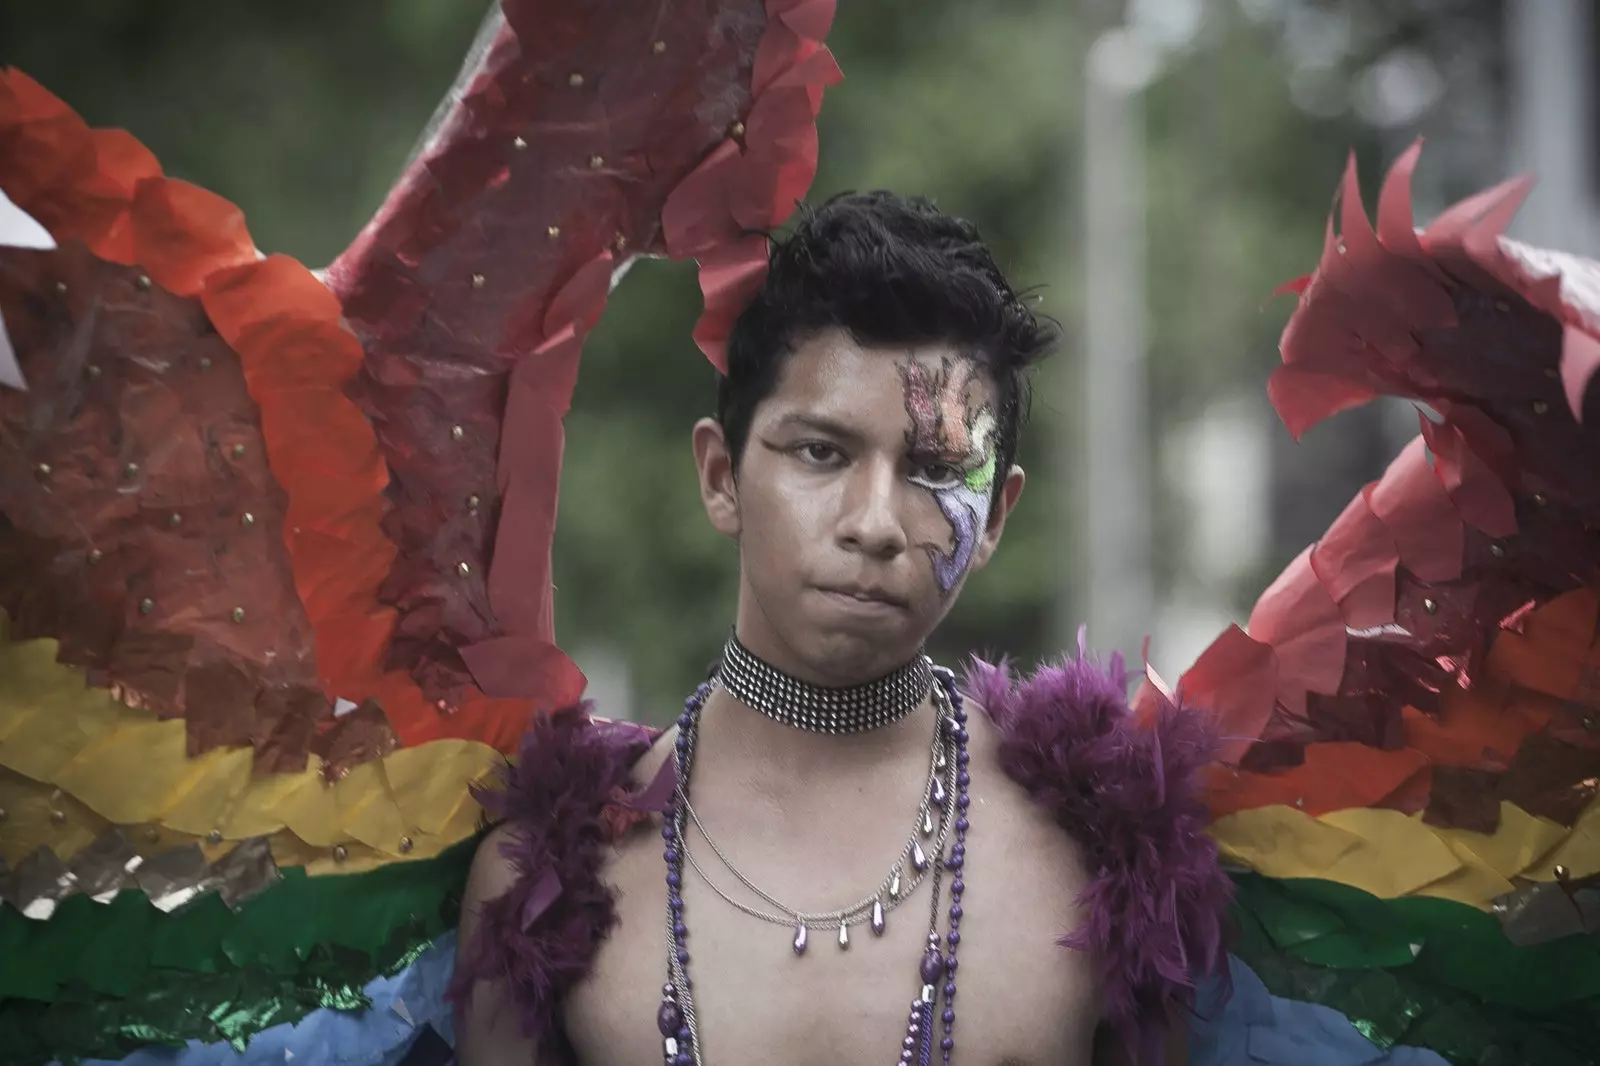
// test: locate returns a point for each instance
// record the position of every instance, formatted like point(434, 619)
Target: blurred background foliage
point(303, 111)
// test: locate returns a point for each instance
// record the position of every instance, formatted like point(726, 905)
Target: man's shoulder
point(573, 772)
point(1128, 788)
point(535, 903)
point(1067, 734)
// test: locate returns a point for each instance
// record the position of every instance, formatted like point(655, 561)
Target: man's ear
point(719, 490)
point(1010, 493)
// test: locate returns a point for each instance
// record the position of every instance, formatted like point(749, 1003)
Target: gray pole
point(1548, 56)
point(1114, 463)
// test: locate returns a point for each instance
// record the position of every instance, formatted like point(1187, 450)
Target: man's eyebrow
point(820, 424)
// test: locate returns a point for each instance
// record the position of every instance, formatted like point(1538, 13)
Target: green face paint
point(950, 435)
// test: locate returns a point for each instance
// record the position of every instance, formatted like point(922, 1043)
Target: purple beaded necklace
point(676, 1020)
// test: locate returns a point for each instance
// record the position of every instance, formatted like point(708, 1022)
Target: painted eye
point(937, 475)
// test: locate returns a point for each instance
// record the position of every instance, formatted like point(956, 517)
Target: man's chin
point(856, 654)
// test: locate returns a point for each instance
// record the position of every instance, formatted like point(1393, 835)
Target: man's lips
point(866, 595)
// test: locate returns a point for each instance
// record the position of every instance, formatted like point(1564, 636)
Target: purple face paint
point(952, 451)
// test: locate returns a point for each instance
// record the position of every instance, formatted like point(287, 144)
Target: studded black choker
point(817, 708)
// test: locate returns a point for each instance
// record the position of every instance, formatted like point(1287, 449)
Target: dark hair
point(892, 271)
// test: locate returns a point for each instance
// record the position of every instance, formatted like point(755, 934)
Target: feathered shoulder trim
point(1129, 791)
point(567, 796)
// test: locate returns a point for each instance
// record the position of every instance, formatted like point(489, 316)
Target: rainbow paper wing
point(173, 779)
point(1413, 717)
point(251, 633)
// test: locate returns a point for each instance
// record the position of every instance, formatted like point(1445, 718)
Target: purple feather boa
point(1130, 793)
point(566, 797)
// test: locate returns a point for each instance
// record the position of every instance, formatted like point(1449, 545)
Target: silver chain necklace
point(682, 1041)
point(903, 879)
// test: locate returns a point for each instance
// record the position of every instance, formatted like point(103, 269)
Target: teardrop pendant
point(919, 858)
point(939, 760)
point(894, 886)
point(878, 922)
point(844, 936)
point(927, 822)
point(938, 793)
point(801, 937)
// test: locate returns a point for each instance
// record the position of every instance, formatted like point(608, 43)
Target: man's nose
point(870, 522)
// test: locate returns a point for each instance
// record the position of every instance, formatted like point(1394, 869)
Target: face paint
point(947, 432)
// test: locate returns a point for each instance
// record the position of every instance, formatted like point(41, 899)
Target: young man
point(850, 861)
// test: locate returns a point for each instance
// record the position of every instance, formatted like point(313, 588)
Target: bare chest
point(1020, 999)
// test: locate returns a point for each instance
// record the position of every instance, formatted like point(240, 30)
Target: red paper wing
point(1496, 336)
point(142, 506)
point(576, 137)
point(232, 508)
point(1429, 648)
